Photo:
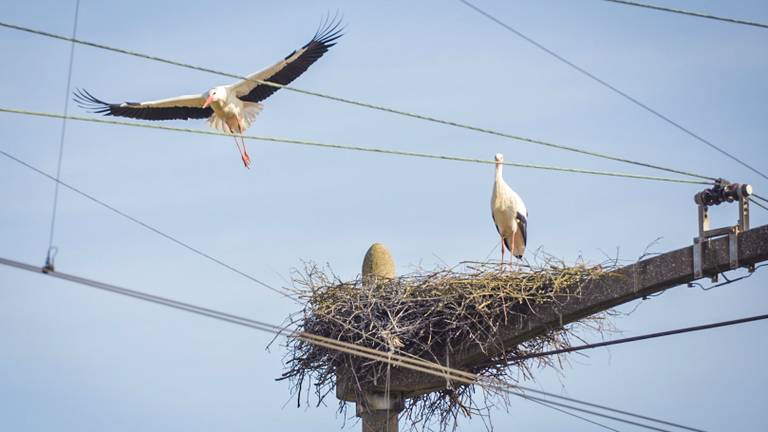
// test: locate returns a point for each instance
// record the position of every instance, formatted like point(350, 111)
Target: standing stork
point(509, 215)
point(228, 108)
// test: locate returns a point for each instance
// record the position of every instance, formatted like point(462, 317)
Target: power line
point(584, 410)
point(752, 198)
point(758, 204)
point(210, 313)
point(614, 410)
point(760, 198)
point(362, 351)
point(357, 148)
point(574, 415)
point(685, 12)
point(358, 103)
point(614, 89)
point(50, 255)
point(643, 337)
point(147, 226)
point(727, 280)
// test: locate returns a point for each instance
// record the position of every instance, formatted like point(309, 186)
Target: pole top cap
point(378, 263)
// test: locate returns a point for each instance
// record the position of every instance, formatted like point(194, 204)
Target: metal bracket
point(723, 191)
point(698, 271)
point(733, 250)
point(49, 267)
point(379, 402)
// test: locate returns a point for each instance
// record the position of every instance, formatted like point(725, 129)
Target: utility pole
point(713, 252)
point(379, 408)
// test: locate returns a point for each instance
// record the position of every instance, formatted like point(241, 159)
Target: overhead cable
point(51, 249)
point(147, 226)
point(691, 13)
point(357, 148)
point(615, 89)
point(643, 337)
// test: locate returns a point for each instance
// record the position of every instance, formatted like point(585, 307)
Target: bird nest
point(430, 314)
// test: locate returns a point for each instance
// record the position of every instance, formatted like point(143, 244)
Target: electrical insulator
point(723, 192)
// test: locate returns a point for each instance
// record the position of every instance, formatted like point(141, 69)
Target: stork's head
point(216, 94)
point(499, 158)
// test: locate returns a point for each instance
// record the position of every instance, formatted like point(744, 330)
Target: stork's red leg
point(243, 155)
point(234, 127)
point(237, 145)
point(230, 130)
point(246, 158)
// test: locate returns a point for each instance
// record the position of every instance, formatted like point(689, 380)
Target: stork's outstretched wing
point(178, 108)
point(288, 69)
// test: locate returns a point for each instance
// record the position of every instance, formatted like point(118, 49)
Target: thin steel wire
point(760, 197)
point(63, 133)
point(360, 104)
point(752, 198)
point(691, 13)
point(610, 417)
point(147, 226)
point(574, 415)
point(758, 204)
point(644, 337)
point(614, 89)
point(356, 148)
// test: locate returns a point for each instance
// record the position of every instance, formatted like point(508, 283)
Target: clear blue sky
point(77, 359)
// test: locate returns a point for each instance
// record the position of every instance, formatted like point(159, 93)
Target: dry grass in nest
point(431, 314)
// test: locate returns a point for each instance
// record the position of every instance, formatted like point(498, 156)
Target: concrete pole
point(379, 411)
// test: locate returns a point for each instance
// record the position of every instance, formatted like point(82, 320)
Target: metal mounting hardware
point(380, 402)
point(49, 267)
point(721, 192)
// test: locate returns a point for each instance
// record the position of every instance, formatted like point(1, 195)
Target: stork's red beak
point(208, 101)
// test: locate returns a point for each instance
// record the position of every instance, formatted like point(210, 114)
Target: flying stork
point(509, 215)
point(228, 108)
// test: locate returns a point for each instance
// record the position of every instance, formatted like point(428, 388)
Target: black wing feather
point(134, 110)
point(324, 39)
point(522, 223)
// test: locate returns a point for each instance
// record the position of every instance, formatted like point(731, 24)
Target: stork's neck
point(499, 176)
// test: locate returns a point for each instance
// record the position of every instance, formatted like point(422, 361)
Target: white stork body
point(232, 114)
point(509, 214)
point(230, 108)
